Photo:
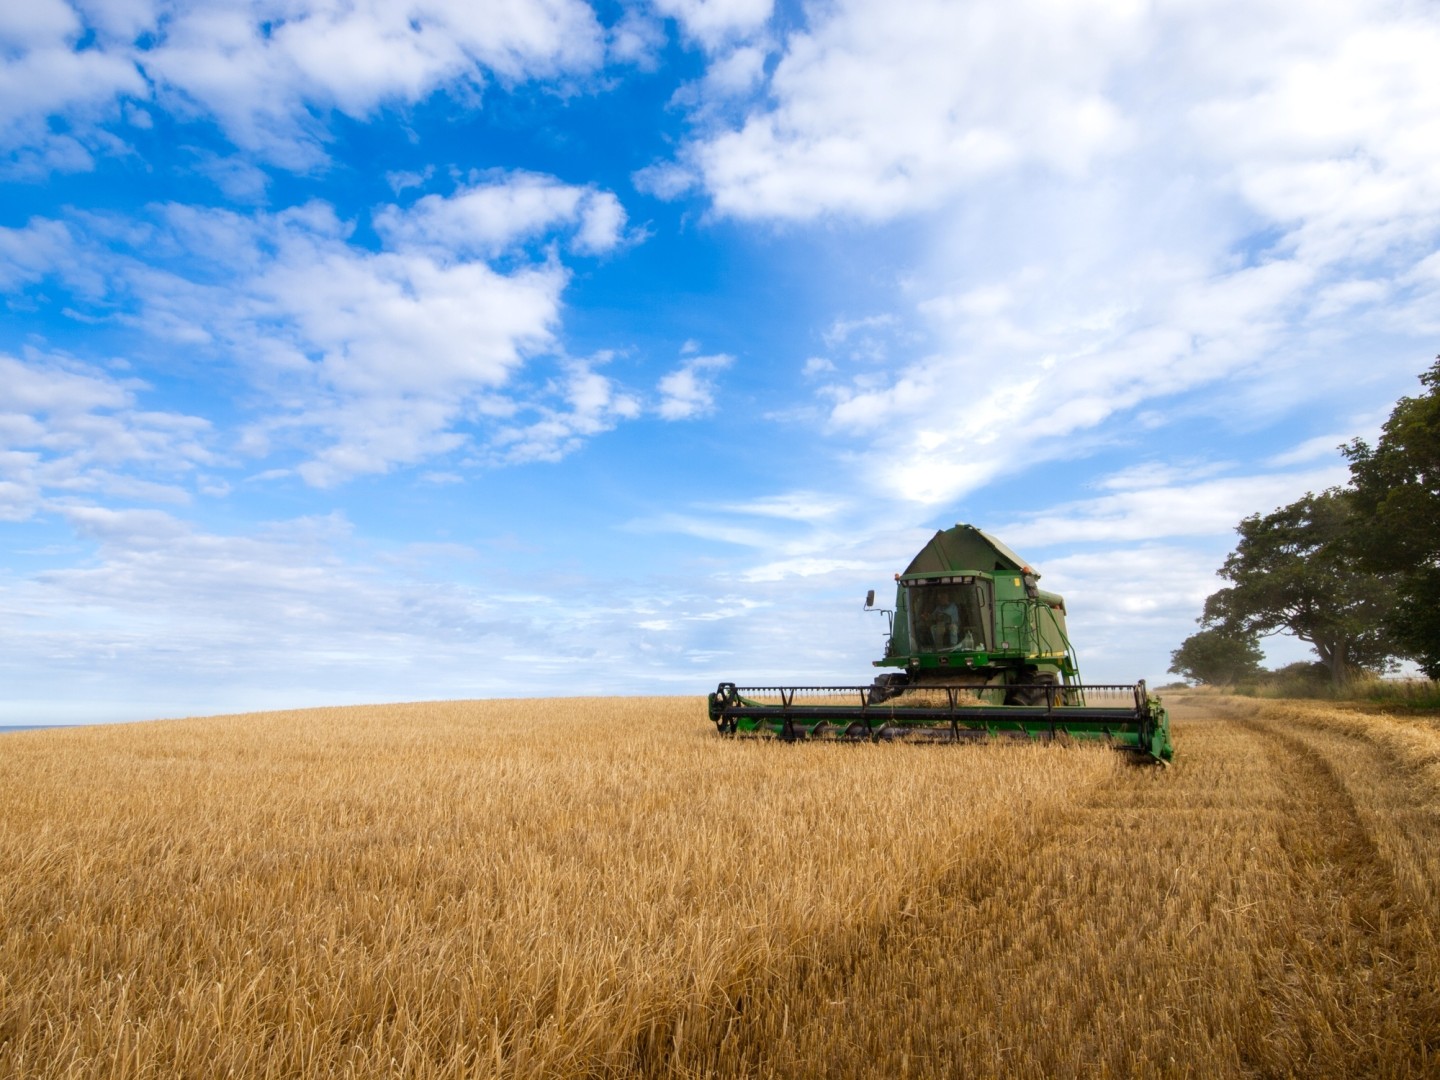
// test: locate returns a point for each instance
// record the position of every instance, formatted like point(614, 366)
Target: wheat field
point(605, 888)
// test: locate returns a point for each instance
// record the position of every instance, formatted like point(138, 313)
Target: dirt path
point(1238, 914)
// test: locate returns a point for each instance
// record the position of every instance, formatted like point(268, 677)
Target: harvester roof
point(966, 548)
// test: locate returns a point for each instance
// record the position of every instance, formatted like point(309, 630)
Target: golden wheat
point(603, 887)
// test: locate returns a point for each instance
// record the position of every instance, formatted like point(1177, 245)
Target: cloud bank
point(1126, 205)
point(265, 71)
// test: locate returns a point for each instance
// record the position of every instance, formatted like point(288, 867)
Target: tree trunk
point(1334, 655)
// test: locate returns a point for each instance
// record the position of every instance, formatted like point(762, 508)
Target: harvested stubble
point(603, 887)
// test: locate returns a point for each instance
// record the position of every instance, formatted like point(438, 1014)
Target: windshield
point(946, 617)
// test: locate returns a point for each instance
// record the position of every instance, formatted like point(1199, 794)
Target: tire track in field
point(1324, 831)
point(1353, 916)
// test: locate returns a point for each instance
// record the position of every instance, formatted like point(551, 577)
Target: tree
point(1397, 494)
point(1298, 570)
point(1217, 655)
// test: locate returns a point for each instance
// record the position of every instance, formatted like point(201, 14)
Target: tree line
point(1353, 571)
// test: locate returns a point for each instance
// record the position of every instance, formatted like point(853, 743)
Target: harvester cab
point(970, 612)
point(977, 650)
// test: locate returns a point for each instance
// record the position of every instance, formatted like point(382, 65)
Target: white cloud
point(986, 87)
point(1123, 205)
point(1085, 348)
point(808, 506)
point(842, 330)
point(30, 253)
point(1347, 296)
point(1158, 474)
point(393, 322)
point(486, 219)
point(67, 429)
point(732, 75)
point(1308, 113)
point(1333, 130)
point(602, 223)
point(37, 23)
point(792, 530)
point(44, 74)
point(637, 37)
point(267, 69)
point(165, 618)
point(715, 22)
point(1139, 513)
point(590, 404)
point(736, 72)
point(664, 180)
point(688, 392)
point(1321, 446)
point(805, 566)
point(379, 352)
point(368, 360)
point(705, 528)
point(405, 179)
point(236, 178)
point(1041, 381)
point(257, 69)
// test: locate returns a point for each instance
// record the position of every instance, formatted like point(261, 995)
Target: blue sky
point(402, 350)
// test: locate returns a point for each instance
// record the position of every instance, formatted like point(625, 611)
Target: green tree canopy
point(1298, 570)
point(1217, 655)
point(1397, 497)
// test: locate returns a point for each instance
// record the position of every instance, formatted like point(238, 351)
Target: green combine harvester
point(979, 651)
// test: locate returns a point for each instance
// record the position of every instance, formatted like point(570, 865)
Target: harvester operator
point(944, 621)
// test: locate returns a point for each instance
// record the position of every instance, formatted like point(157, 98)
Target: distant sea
point(28, 727)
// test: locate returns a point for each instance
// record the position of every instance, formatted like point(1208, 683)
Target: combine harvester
point(982, 653)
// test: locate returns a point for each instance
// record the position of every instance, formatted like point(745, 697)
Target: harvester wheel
point(886, 687)
point(1040, 691)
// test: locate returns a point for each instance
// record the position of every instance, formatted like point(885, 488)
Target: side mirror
point(870, 599)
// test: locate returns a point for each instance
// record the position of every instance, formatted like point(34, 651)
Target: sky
point(386, 350)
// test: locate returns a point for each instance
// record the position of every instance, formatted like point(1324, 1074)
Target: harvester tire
point(886, 687)
point(1041, 689)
